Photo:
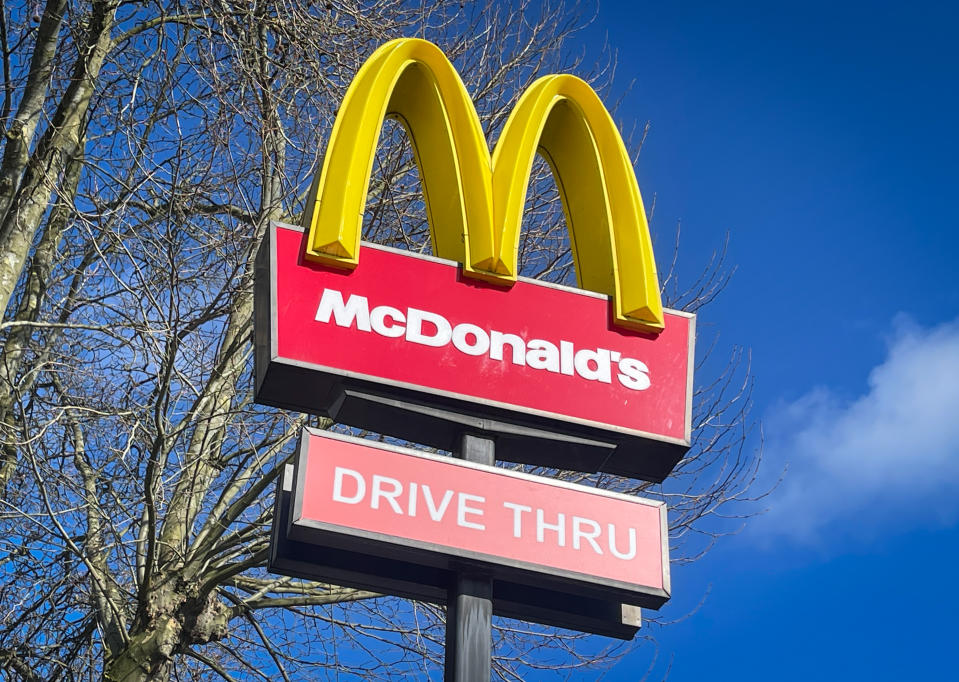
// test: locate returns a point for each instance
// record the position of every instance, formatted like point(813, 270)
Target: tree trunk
point(176, 616)
point(59, 143)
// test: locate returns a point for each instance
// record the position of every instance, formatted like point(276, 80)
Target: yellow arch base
point(474, 202)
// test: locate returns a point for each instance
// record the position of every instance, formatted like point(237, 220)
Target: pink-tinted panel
point(483, 511)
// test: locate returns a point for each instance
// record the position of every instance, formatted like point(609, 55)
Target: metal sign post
point(469, 610)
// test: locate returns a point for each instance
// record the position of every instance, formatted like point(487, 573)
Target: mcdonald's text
point(432, 329)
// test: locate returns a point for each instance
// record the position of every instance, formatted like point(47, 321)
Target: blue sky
point(822, 137)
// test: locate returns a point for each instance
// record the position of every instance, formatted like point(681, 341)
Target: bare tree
point(147, 146)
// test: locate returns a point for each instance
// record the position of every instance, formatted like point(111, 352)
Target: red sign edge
point(298, 524)
point(275, 356)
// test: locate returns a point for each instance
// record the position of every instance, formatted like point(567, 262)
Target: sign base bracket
point(443, 428)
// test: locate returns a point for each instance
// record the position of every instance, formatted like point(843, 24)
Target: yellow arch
point(412, 81)
point(475, 203)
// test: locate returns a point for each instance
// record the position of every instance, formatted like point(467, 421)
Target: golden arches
point(475, 203)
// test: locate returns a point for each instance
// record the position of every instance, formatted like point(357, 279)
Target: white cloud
point(885, 460)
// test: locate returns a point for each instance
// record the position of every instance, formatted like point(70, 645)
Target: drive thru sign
point(383, 500)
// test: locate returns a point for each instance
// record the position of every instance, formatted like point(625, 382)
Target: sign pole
point(469, 604)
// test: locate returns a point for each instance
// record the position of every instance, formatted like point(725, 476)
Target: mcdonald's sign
point(593, 379)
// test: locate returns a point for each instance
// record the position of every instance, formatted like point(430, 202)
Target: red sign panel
point(411, 322)
point(448, 508)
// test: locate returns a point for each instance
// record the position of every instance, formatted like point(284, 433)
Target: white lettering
point(632, 543)
point(357, 310)
point(499, 339)
point(633, 374)
point(411, 508)
point(378, 321)
point(580, 534)
point(462, 510)
point(377, 491)
point(338, 495)
point(598, 357)
point(566, 354)
point(462, 332)
point(432, 329)
point(414, 328)
point(542, 355)
point(518, 510)
point(436, 513)
point(559, 527)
